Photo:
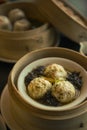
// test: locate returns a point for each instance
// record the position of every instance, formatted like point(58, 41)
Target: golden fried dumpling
point(63, 91)
point(55, 71)
point(38, 87)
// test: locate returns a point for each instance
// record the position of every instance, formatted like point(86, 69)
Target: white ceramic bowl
point(67, 64)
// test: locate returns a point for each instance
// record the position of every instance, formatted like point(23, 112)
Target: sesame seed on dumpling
point(55, 71)
point(64, 91)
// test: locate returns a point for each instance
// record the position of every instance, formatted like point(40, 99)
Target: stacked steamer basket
point(22, 38)
point(65, 17)
point(20, 114)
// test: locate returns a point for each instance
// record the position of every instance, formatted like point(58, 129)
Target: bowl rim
point(15, 34)
point(41, 106)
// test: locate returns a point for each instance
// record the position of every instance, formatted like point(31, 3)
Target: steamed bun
point(63, 91)
point(55, 71)
point(38, 87)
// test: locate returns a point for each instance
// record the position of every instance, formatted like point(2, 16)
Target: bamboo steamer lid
point(65, 18)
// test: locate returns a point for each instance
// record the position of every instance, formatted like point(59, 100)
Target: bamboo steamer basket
point(28, 117)
point(2, 123)
point(15, 44)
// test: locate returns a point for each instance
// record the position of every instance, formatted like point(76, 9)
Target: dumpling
point(5, 23)
point(16, 14)
point(55, 71)
point(63, 91)
point(38, 87)
point(22, 25)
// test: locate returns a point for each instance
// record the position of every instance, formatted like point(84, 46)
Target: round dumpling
point(5, 23)
point(55, 71)
point(63, 91)
point(38, 87)
point(16, 14)
point(22, 25)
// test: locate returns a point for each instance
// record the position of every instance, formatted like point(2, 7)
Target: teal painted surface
point(79, 5)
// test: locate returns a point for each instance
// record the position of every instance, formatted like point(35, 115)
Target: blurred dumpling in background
point(5, 23)
point(22, 25)
point(16, 14)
